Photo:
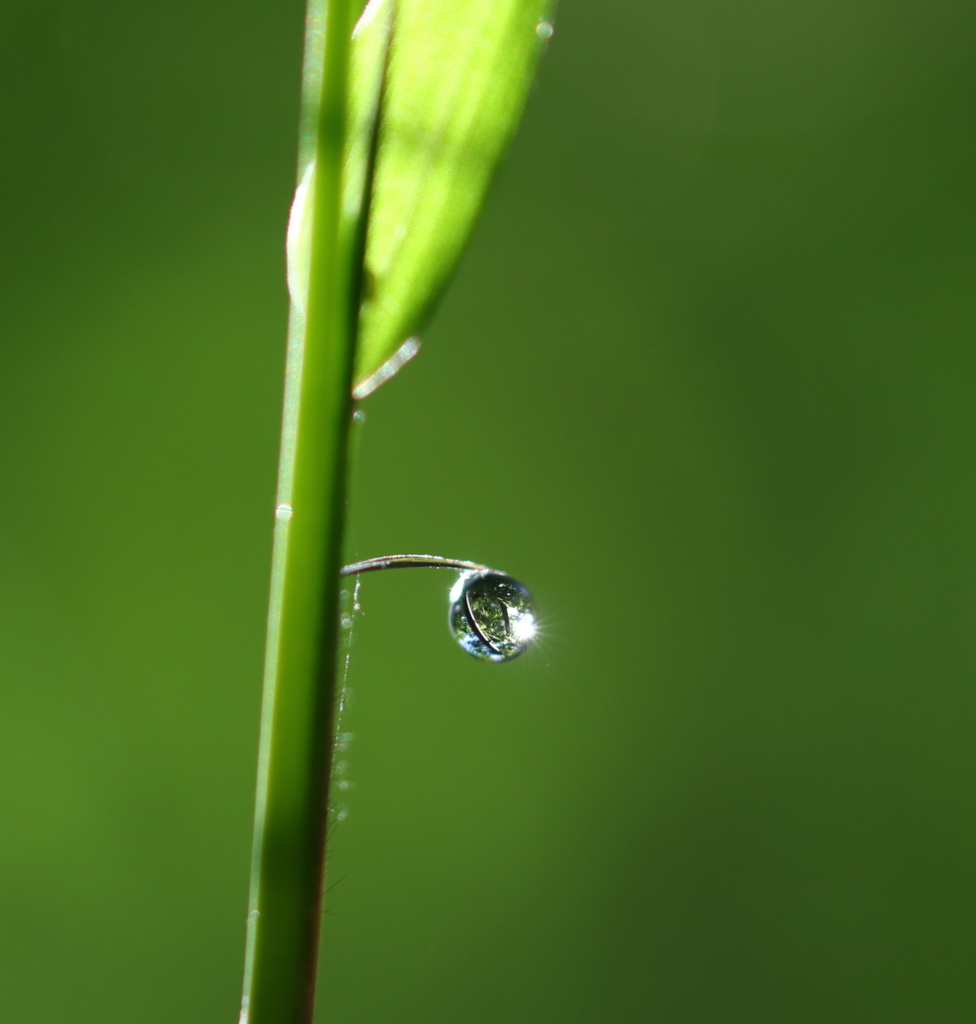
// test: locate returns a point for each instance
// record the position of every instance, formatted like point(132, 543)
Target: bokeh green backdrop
point(705, 381)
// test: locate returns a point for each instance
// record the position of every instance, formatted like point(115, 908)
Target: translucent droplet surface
point(492, 615)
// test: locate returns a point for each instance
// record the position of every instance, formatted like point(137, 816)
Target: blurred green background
point(704, 381)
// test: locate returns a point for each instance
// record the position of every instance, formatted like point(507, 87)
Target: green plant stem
point(299, 691)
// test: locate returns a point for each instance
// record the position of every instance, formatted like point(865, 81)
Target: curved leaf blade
point(458, 76)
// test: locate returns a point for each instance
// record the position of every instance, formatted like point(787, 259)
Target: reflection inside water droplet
point(492, 615)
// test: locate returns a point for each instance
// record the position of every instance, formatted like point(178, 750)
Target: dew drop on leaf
point(492, 616)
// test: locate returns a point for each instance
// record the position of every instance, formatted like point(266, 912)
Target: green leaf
point(459, 72)
point(450, 78)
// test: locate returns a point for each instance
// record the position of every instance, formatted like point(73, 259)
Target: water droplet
point(492, 615)
point(346, 622)
point(544, 30)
